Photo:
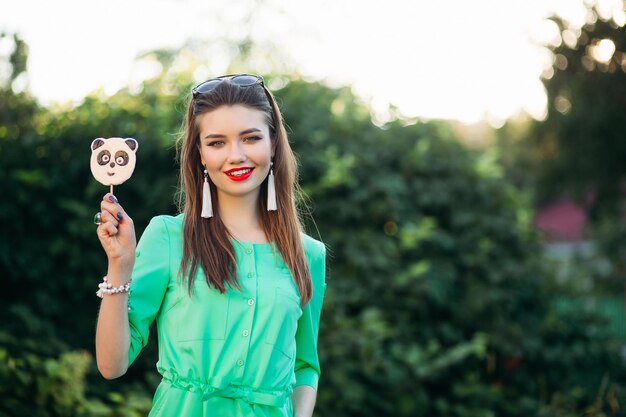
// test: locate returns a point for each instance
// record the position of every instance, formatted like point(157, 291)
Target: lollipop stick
point(111, 188)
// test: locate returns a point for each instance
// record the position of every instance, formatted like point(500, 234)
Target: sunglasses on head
point(242, 80)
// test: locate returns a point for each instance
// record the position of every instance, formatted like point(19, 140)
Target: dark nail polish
point(113, 199)
point(119, 215)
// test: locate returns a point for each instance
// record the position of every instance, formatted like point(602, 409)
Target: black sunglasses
point(242, 80)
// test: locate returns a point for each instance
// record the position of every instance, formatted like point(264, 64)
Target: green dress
point(235, 354)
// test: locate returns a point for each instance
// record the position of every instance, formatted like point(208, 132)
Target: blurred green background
point(447, 296)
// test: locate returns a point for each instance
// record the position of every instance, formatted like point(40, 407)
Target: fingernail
point(112, 198)
point(119, 215)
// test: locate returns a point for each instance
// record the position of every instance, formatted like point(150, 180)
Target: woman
point(234, 285)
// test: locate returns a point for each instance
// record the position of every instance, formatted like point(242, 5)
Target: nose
point(112, 164)
point(236, 154)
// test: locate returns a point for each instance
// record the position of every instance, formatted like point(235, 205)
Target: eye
point(104, 157)
point(215, 143)
point(253, 138)
point(121, 158)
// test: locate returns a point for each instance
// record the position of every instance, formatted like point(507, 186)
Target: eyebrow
point(244, 132)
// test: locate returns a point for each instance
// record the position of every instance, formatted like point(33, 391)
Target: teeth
point(239, 172)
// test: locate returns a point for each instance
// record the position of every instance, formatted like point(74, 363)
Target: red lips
point(239, 174)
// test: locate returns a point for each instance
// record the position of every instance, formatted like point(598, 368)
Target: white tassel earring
point(207, 205)
point(271, 190)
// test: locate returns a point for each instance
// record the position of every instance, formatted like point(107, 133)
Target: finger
point(113, 207)
point(108, 197)
point(106, 230)
point(109, 200)
point(107, 217)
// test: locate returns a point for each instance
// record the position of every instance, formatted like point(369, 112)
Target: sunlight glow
point(453, 59)
point(603, 51)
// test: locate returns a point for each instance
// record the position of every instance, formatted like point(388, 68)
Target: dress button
point(248, 250)
point(138, 254)
point(251, 302)
point(250, 275)
point(244, 333)
point(240, 362)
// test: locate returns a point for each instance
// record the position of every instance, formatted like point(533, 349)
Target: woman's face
point(236, 148)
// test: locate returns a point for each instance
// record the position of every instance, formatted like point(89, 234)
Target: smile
point(239, 174)
point(110, 174)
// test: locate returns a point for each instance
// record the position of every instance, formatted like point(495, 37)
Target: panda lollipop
point(113, 160)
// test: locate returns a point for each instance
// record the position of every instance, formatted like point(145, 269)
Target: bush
point(438, 302)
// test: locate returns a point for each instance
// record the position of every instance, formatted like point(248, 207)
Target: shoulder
point(169, 221)
point(163, 227)
point(314, 250)
point(164, 222)
point(315, 254)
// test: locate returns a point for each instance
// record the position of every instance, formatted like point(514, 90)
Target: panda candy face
point(113, 159)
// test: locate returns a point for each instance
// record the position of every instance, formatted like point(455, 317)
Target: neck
point(240, 215)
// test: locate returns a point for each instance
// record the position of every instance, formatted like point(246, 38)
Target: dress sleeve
point(307, 367)
point(150, 277)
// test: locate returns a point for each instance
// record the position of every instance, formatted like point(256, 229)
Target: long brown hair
point(206, 242)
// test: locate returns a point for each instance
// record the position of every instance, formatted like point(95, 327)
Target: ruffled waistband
point(275, 398)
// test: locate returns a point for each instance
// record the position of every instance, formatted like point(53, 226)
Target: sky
point(451, 59)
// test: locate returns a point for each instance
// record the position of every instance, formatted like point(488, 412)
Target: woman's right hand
point(117, 234)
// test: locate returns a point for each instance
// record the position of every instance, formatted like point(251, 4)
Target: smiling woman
point(234, 285)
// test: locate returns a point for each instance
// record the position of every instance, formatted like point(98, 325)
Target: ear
point(97, 143)
point(132, 144)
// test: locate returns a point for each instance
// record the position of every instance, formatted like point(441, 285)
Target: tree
point(438, 303)
point(580, 148)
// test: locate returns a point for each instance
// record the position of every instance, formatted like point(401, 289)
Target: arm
point(117, 235)
point(307, 368)
point(112, 331)
point(303, 399)
point(124, 319)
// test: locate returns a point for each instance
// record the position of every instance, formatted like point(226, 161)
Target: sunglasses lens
point(244, 80)
point(207, 86)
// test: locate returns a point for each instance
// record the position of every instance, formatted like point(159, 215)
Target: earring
point(271, 190)
point(207, 205)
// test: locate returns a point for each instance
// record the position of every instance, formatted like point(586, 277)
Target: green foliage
point(41, 386)
point(608, 265)
point(579, 149)
point(50, 262)
point(437, 302)
point(16, 60)
point(36, 386)
point(436, 293)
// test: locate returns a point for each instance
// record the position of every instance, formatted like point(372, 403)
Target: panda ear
point(132, 144)
point(97, 143)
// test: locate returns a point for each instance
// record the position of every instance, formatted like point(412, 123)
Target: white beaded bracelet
point(107, 289)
